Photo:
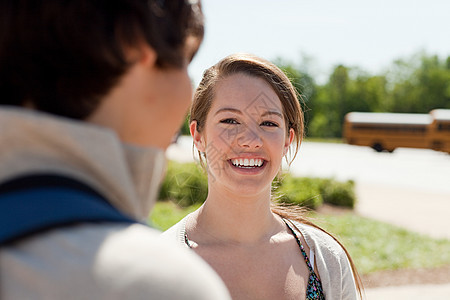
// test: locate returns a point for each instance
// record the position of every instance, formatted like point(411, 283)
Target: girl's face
point(244, 136)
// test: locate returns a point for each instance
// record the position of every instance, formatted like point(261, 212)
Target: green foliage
point(338, 193)
point(427, 85)
point(166, 213)
point(302, 81)
point(376, 246)
point(184, 183)
point(416, 84)
point(299, 77)
point(300, 191)
point(312, 192)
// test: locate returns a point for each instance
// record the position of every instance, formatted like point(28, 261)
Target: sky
point(317, 35)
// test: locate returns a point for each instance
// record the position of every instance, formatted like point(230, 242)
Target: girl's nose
point(249, 138)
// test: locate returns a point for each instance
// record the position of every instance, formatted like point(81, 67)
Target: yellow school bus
point(388, 131)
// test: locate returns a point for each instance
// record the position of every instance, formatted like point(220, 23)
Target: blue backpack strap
point(35, 203)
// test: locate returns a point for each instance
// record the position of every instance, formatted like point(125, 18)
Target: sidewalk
point(410, 292)
point(416, 210)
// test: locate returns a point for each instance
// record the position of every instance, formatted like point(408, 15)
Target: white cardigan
point(332, 263)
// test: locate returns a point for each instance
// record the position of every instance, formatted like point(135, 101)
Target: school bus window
point(444, 127)
point(389, 128)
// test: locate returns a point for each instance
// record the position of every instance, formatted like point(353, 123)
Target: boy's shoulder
point(129, 261)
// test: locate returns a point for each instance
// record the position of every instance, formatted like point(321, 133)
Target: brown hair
point(63, 56)
point(257, 67)
point(293, 114)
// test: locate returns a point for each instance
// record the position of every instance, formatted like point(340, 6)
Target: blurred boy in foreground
point(91, 94)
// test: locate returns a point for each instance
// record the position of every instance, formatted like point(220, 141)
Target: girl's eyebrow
point(272, 112)
point(235, 110)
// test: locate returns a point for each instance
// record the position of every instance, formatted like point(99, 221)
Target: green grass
point(373, 245)
point(324, 140)
point(166, 213)
point(376, 246)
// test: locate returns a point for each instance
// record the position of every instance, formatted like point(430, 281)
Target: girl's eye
point(269, 123)
point(229, 121)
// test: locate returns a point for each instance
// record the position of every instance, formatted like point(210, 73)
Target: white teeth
point(258, 162)
point(239, 162)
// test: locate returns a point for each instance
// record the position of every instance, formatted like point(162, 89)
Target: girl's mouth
point(246, 163)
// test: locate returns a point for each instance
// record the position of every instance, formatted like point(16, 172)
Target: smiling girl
point(244, 119)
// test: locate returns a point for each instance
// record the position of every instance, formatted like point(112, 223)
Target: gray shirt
point(94, 261)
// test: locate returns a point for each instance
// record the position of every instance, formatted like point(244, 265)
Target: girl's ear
point(288, 141)
point(199, 142)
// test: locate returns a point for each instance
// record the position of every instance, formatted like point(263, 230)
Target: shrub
point(312, 192)
point(184, 183)
point(300, 191)
point(338, 193)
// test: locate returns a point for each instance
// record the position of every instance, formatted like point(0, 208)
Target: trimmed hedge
point(186, 184)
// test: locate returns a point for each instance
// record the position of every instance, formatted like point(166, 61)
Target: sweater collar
point(36, 142)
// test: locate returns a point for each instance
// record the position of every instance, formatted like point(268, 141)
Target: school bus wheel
point(377, 147)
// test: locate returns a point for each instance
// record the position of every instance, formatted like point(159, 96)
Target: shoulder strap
point(296, 232)
point(34, 203)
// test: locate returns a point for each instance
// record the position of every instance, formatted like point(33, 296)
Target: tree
point(426, 85)
point(415, 84)
point(303, 83)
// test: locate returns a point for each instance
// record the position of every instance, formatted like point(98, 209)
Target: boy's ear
point(148, 55)
point(142, 54)
point(199, 142)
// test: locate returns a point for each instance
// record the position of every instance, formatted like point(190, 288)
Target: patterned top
point(314, 289)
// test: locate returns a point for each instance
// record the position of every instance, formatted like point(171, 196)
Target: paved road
point(420, 169)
